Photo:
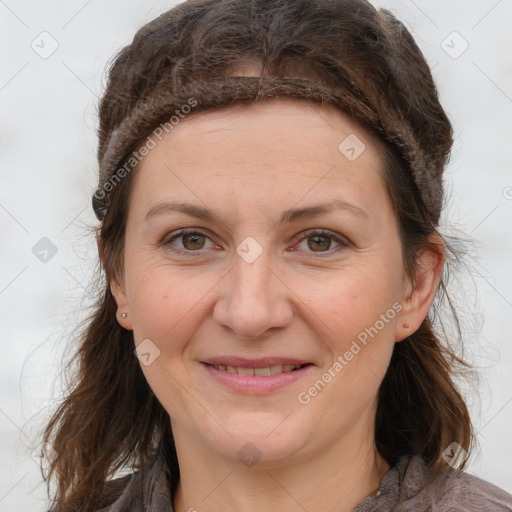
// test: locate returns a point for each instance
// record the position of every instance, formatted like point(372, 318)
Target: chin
point(259, 437)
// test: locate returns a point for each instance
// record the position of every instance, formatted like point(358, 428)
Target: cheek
point(357, 320)
point(165, 308)
point(350, 303)
point(166, 301)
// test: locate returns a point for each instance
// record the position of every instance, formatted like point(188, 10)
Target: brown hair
point(110, 418)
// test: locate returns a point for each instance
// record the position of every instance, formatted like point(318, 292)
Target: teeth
point(262, 372)
point(274, 370)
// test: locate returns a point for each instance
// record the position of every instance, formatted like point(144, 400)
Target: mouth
point(256, 377)
point(264, 371)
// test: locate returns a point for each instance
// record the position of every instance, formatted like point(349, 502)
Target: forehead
point(267, 150)
point(295, 115)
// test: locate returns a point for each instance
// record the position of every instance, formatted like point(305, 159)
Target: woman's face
point(291, 257)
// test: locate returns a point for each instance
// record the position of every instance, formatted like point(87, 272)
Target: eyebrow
point(289, 216)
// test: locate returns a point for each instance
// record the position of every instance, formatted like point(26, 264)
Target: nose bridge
point(251, 274)
point(253, 299)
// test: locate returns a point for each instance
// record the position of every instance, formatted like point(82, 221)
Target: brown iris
point(317, 245)
point(193, 238)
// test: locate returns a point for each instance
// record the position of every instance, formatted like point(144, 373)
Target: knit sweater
point(406, 487)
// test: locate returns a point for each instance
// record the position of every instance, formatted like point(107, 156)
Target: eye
point(319, 241)
point(192, 240)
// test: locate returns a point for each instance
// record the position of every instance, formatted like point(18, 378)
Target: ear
point(117, 287)
point(420, 294)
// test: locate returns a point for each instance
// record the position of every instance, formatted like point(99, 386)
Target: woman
point(269, 197)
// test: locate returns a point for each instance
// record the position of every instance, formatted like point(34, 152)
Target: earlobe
point(421, 293)
point(118, 291)
point(124, 320)
point(122, 313)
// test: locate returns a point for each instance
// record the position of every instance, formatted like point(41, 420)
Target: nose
point(254, 300)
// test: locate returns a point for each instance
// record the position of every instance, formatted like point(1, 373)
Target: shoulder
point(99, 501)
point(122, 491)
point(146, 489)
point(466, 492)
point(454, 491)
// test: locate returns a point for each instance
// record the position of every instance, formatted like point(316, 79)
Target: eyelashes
point(193, 237)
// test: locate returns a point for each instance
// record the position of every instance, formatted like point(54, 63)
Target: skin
point(296, 299)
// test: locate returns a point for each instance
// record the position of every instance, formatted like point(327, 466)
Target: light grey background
point(48, 166)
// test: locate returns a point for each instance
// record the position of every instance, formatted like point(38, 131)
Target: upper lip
point(261, 362)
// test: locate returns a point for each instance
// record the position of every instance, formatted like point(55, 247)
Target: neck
point(333, 480)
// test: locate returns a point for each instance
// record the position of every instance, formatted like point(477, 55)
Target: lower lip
point(256, 384)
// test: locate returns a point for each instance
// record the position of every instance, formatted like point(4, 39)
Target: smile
point(261, 372)
point(256, 380)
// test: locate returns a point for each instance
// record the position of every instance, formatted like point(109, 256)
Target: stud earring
point(406, 326)
point(124, 315)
